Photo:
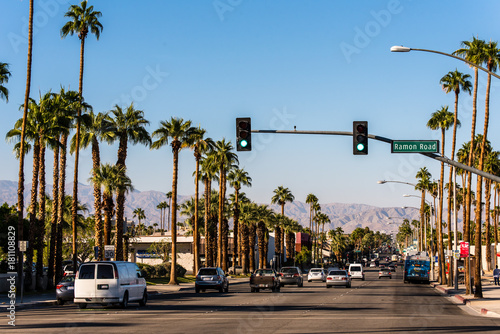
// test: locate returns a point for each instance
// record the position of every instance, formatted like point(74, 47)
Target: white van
point(356, 271)
point(106, 282)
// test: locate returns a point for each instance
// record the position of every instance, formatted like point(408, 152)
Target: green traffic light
point(360, 147)
point(243, 143)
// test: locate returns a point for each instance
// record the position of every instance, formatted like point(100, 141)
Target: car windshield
point(289, 270)
point(264, 272)
point(337, 273)
point(316, 270)
point(208, 271)
point(70, 278)
point(355, 268)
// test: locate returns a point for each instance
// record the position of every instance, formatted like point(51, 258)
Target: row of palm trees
point(476, 153)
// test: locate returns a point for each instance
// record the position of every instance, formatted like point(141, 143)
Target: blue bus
point(416, 269)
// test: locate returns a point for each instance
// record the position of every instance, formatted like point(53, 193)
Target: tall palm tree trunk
point(60, 204)
point(20, 184)
point(208, 261)
point(96, 160)
point(196, 232)
point(53, 223)
point(221, 210)
point(442, 261)
point(452, 182)
point(173, 276)
point(40, 231)
point(469, 180)
point(120, 200)
point(487, 232)
point(236, 216)
point(108, 213)
point(251, 250)
point(244, 248)
point(33, 220)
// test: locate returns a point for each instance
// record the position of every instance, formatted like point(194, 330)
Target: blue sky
point(314, 65)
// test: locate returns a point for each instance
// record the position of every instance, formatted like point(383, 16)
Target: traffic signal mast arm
point(389, 141)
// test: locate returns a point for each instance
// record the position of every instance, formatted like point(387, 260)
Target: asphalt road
point(370, 306)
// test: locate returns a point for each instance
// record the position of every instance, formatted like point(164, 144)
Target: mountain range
point(347, 216)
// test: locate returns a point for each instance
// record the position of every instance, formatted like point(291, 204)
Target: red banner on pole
point(464, 249)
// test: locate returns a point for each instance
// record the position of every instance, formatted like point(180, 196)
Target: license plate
point(207, 278)
point(71, 287)
point(262, 285)
point(288, 275)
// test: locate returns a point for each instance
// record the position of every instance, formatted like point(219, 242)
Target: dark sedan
point(65, 289)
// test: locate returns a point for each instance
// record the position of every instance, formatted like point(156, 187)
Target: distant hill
point(347, 216)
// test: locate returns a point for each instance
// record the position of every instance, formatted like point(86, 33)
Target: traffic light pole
point(387, 140)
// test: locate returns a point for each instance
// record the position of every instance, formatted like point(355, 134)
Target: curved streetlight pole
point(397, 48)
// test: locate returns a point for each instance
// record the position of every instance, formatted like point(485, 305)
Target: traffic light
point(360, 138)
point(243, 134)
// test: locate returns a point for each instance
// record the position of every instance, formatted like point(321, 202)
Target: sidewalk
point(488, 306)
point(35, 300)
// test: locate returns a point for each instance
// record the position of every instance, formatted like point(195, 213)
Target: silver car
point(338, 278)
point(291, 276)
point(211, 278)
point(316, 274)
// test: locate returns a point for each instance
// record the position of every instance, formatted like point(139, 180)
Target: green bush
point(161, 270)
point(147, 270)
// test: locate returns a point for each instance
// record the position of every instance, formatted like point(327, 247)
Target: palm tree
point(162, 206)
point(169, 197)
point(83, 20)
point(311, 199)
point(237, 177)
point(423, 185)
point(281, 196)
point(20, 184)
point(199, 145)
point(139, 214)
point(110, 178)
point(4, 78)
point(491, 56)
point(68, 103)
point(441, 119)
point(316, 207)
point(492, 166)
point(126, 126)
point(223, 157)
point(208, 172)
point(454, 82)
point(180, 132)
point(95, 127)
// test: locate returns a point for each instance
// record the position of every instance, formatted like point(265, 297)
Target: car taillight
point(198, 278)
point(295, 275)
point(76, 275)
point(65, 274)
point(218, 278)
point(59, 286)
point(116, 274)
point(344, 278)
point(328, 278)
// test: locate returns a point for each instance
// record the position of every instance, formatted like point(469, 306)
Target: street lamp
point(397, 48)
point(386, 181)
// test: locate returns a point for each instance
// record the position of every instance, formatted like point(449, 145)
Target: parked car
point(65, 289)
point(392, 267)
point(338, 278)
point(265, 279)
point(356, 271)
point(384, 272)
point(316, 274)
point(108, 282)
point(372, 265)
point(291, 276)
point(211, 278)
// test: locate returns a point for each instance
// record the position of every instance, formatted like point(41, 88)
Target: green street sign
point(415, 146)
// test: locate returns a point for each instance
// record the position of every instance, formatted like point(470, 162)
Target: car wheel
point(226, 290)
point(124, 302)
point(144, 299)
point(300, 284)
point(390, 277)
point(82, 306)
point(363, 278)
point(379, 277)
point(278, 288)
point(221, 290)
point(328, 286)
point(60, 301)
point(256, 290)
point(197, 290)
point(252, 289)
point(347, 286)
